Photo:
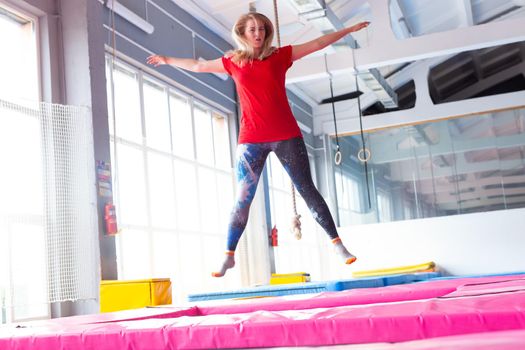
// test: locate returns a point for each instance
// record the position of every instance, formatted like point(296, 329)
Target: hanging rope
point(364, 153)
point(277, 31)
point(296, 223)
point(338, 155)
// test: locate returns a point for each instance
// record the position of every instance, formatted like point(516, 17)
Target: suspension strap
point(364, 153)
point(338, 157)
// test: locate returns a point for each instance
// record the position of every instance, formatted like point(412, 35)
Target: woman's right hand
point(157, 60)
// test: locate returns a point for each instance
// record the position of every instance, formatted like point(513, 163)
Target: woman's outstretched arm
point(190, 64)
point(299, 51)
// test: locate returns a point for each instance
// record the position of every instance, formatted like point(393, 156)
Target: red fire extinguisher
point(273, 236)
point(110, 218)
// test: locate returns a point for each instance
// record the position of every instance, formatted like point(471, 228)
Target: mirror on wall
point(455, 166)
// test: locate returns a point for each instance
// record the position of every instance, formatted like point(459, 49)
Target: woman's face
point(255, 33)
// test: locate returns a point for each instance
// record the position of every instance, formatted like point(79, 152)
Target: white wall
point(481, 243)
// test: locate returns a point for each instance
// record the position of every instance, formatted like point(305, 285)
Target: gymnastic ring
point(367, 154)
point(338, 157)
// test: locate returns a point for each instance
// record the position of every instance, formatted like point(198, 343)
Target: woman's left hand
point(360, 26)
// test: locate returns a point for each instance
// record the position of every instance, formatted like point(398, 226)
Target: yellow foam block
point(134, 294)
point(425, 267)
point(290, 274)
point(285, 278)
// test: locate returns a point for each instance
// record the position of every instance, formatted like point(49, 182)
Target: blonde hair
point(245, 52)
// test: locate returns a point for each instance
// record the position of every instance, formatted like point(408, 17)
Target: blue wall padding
point(315, 287)
point(484, 275)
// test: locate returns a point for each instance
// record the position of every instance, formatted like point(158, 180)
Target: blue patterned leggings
point(293, 156)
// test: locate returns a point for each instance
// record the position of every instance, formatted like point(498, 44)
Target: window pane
point(204, 136)
point(354, 193)
point(165, 259)
point(4, 267)
point(186, 195)
point(278, 176)
point(208, 200)
point(19, 76)
point(348, 198)
point(191, 254)
point(21, 181)
point(213, 250)
point(281, 209)
point(181, 126)
point(383, 207)
point(127, 105)
point(28, 263)
point(161, 190)
point(109, 89)
point(225, 198)
point(157, 116)
point(134, 257)
point(221, 141)
point(131, 186)
point(340, 185)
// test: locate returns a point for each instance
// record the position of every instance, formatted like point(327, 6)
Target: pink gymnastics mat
point(394, 314)
point(497, 340)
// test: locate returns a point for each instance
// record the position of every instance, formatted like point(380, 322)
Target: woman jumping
point(267, 123)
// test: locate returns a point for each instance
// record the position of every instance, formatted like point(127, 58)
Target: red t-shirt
point(266, 115)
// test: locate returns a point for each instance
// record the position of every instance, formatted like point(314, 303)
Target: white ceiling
point(408, 18)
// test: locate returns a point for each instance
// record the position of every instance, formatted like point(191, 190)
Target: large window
point(173, 182)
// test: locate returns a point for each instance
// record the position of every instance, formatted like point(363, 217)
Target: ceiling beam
point(384, 49)
point(348, 123)
point(465, 7)
point(381, 53)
